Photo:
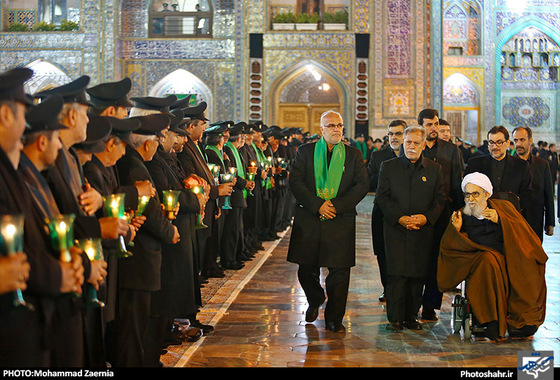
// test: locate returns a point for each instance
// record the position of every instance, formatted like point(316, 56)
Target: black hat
point(216, 129)
point(237, 129)
point(98, 128)
point(152, 124)
point(44, 116)
point(73, 92)
point(162, 104)
point(177, 122)
point(275, 132)
point(120, 127)
point(111, 94)
point(196, 112)
point(181, 103)
point(227, 123)
point(259, 126)
point(175, 117)
point(11, 85)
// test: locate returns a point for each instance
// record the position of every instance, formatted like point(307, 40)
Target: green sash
point(266, 183)
point(327, 177)
point(238, 164)
point(362, 146)
point(218, 152)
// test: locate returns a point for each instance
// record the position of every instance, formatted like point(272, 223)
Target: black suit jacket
point(405, 190)
point(374, 165)
point(516, 177)
point(541, 212)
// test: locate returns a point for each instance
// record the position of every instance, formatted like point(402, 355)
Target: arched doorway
point(302, 94)
point(45, 76)
point(529, 82)
point(182, 83)
point(461, 107)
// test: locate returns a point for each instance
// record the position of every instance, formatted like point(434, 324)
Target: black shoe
point(522, 333)
point(382, 298)
point(311, 314)
point(395, 326)
point(335, 327)
point(412, 325)
point(205, 328)
point(429, 315)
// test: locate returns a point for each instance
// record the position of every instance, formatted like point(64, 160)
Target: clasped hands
point(413, 222)
point(327, 210)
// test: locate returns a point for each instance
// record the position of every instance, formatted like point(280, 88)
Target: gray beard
point(475, 211)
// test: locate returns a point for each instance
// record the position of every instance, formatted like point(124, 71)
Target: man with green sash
point(328, 179)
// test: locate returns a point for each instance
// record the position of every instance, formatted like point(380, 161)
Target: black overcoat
point(403, 191)
point(328, 243)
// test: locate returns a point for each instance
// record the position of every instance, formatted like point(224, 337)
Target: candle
point(199, 189)
point(11, 235)
point(94, 251)
point(142, 203)
point(62, 235)
point(170, 199)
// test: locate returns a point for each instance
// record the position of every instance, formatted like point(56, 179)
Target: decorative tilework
point(399, 38)
point(526, 111)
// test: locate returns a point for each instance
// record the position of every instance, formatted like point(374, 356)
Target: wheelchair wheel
point(457, 315)
point(467, 327)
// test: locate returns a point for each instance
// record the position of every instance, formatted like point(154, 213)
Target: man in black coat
point(324, 225)
point(194, 162)
point(233, 238)
point(411, 195)
point(508, 174)
point(540, 215)
point(448, 156)
point(395, 134)
point(26, 338)
point(140, 274)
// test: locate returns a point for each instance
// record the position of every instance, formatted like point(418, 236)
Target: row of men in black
point(77, 151)
point(524, 175)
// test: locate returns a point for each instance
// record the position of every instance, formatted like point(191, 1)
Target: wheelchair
point(461, 319)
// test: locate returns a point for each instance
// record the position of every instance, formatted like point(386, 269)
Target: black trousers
point(337, 283)
point(404, 297)
point(125, 343)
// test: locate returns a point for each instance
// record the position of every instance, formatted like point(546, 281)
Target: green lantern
point(114, 207)
point(142, 204)
point(226, 178)
point(11, 242)
point(61, 230)
point(170, 199)
point(199, 189)
point(251, 177)
point(94, 250)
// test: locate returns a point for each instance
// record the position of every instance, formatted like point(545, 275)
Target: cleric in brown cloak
point(491, 246)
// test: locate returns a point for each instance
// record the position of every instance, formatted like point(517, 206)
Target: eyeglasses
point(497, 143)
point(398, 134)
point(332, 126)
point(474, 194)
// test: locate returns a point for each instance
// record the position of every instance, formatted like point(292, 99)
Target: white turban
point(478, 179)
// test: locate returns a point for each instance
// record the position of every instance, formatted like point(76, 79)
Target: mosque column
point(255, 76)
point(362, 84)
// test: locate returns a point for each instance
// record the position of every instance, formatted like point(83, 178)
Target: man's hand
point(14, 271)
point(327, 210)
point(412, 222)
point(457, 220)
point(490, 214)
point(72, 273)
point(98, 273)
point(225, 189)
point(176, 236)
point(145, 188)
point(90, 200)
point(112, 228)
